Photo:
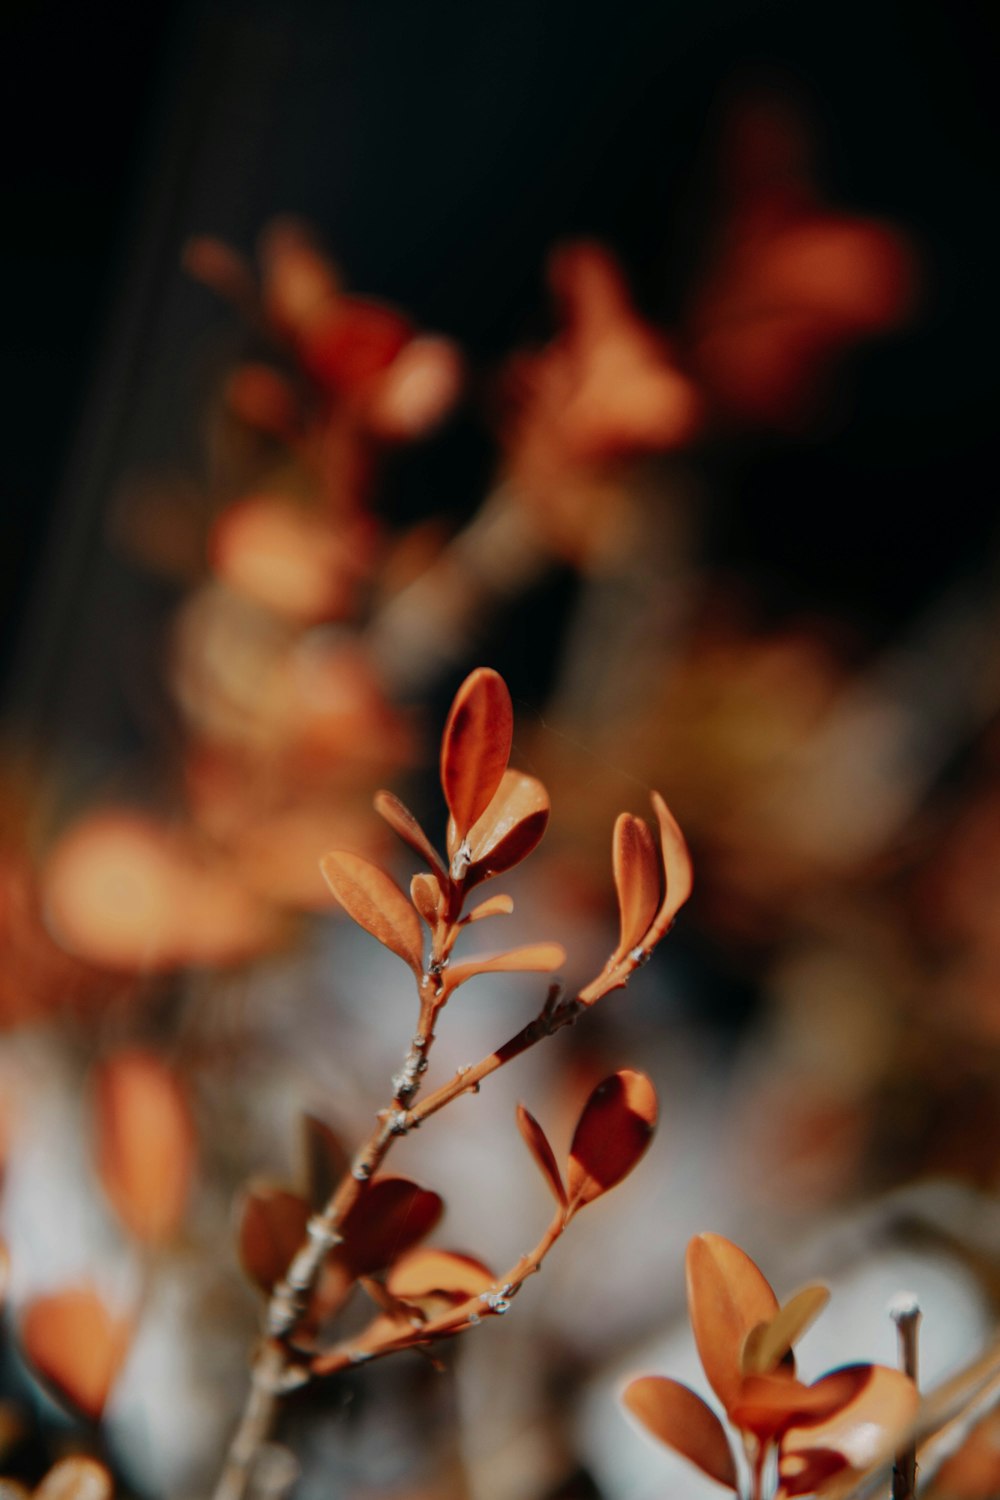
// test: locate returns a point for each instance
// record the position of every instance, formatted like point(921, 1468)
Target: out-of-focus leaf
point(389, 1218)
point(271, 1225)
point(637, 881)
point(768, 1404)
point(679, 1418)
point(376, 903)
point(76, 1344)
point(538, 1144)
point(425, 893)
point(767, 1345)
point(324, 1158)
point(534, 958)
point(13, 1489)
point(403, 823)
point(727, 1297)
point(677, 873)
point(973, 1472)
point(76, 1478)
point(511, 826)
point(438, 1273)
point(145, 1143)
point(475, 747)
point(613, 1132)
point(493, 906)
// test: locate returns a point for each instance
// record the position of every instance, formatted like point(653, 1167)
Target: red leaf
point(534, 958)
point(376, 903)
point(475, 747)
point(679, 1418)
point(271, 1226)
point(403, 823)
point(727, 1297)
point(77, 1345)
point(324, 1159)
point(769, 1404)
point(145, 1144)
point(511, 826)
point(538, 1144)
point(389, 1218)
point(637, 881)
point(677, 872)
point(613, 1132)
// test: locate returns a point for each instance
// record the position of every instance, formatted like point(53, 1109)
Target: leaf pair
point(645, 911)
point(611, 1135)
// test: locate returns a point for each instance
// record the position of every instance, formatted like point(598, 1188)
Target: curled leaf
point(493, 906)
point(509, 828)
point(538, 1144)
point(768, 1344)
point(376, 903)
point(475, 747)
point(769, 1404)
point(425, 893)
point(271, 1225)
point(863, 1432)
point(145, 1143)
point(613, 1132)
point(534, 958)
point(677, 873)
point(637, 881)
point(77, 1345)
point(76, 1478)
point(679, 1418)
point(727, 1297)
point(403, 823)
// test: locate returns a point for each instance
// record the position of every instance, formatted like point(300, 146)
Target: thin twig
point(905, 1313)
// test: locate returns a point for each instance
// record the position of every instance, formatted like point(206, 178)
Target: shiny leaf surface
point(475, 747)
point(510, 827)
point(727, 1297)
point(637, 881)
point(534, 958)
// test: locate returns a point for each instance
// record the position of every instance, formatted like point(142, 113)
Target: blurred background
point(645, 353)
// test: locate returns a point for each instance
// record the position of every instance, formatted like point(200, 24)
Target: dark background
point(442, 149)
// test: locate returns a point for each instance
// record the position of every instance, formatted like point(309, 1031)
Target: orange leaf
point(145, 1144)
point(271, 1226)
point(403, 823)
point(637, 881)
point(769, 1404)
point(534, 958)
point(76, 1345)
point(376, 903)
point(677, 872)
point(493, 906)
point(613, 1132)
point(324, 1159)
point(438, 1273)
point(510, 827)
point(425, 893)
point(727, 1297)
point(679, 1418)
point(75, 1478)
point(389, 1218)
point(869, 1426)
point(538, 1144)
point(475, 747)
